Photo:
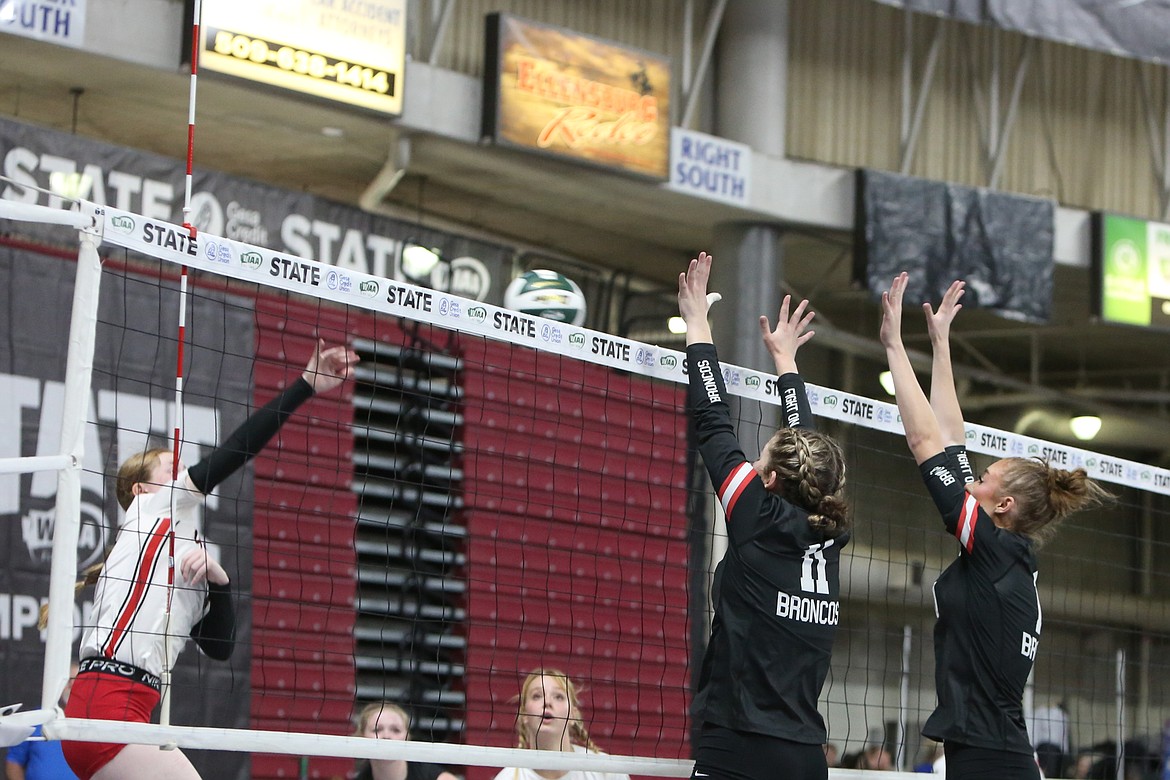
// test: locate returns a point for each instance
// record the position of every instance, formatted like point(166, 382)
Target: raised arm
point(789, 335)
point(944, 401)
point(326, 370)
point(693, 300)
point(782, 343)
point(923, 434)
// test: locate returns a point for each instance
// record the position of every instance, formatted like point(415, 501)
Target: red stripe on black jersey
point(146, 564)
point(733, 486)
point(965, 530)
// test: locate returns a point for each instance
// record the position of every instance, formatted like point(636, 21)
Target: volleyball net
point(492, 494)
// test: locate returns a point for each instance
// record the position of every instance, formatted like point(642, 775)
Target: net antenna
point(184, 295)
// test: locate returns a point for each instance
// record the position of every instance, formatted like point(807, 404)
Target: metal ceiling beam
point(912, 115)
point(999, 142)
point(1157, 138)
point(444, 12)
point(691, 96)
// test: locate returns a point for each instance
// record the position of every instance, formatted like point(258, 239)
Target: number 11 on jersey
point(814, 575)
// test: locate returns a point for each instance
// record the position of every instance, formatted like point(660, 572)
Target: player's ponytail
point(1045, 495)
point(831, 517)
point(89, 576)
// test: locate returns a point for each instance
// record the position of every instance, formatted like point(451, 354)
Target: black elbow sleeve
point(215, 634)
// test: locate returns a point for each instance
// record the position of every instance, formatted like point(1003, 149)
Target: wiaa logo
point(369, 288)
point(477, 313)
point(751, 381)
point(251, 260)
point(577, 340)
point(669, 361)
point(122, 224)
point(37, 525)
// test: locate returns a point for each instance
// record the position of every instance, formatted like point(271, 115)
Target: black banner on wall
point(1128, 29)
point(1000, 244)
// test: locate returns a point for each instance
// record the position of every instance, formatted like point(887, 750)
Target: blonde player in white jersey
point(132, 640)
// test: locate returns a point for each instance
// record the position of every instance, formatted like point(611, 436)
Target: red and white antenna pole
point(191, 115)
point(187, 224)
point(165, 711)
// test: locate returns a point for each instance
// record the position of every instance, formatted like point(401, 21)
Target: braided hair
point(810, 472)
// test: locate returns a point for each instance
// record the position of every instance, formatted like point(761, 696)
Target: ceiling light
point(71, 186)
point(676, 325)
point(886, 378)
point(1085, 427)
point(418, 261)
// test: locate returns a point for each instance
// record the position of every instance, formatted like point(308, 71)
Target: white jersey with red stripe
point(129, 621)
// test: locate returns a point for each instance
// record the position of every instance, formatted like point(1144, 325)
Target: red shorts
point(102, 696)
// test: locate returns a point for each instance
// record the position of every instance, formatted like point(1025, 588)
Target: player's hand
point(790, 332)
point(891, 330)
point(198, 566)
point(693, 299)
point(938, 323)
point(328, 368)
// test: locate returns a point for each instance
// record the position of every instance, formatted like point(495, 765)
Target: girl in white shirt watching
point(549, 718)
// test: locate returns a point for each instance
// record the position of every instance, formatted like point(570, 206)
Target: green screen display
point(1134, 271)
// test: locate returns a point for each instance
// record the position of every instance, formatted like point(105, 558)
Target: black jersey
point(776, 591)
point(988, 623)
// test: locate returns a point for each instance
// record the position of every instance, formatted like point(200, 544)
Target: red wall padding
point(575, 504)
point(303, 576)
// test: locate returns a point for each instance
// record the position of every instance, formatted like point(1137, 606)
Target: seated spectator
point(385, 720)
point(875, 757)
point(1096, 763)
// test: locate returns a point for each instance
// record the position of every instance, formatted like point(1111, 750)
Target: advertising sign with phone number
point(351, 51)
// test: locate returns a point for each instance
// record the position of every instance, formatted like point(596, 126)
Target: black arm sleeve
point(794, 397)
point(249, 438)
point(960, 462)
point(216, 632)
point(706, 391)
